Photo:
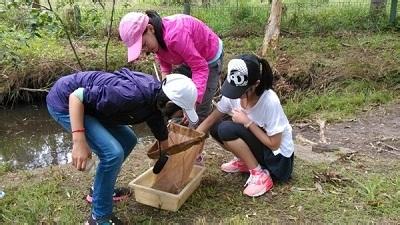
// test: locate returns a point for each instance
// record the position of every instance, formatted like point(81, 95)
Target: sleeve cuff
point(79, 93)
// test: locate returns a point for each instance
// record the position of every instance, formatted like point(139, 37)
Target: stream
point(30, 138)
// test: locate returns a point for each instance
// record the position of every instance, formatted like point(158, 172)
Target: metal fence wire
point(219, 10)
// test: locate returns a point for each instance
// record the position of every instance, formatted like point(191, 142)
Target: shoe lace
point(236, 160)
point(251, 180)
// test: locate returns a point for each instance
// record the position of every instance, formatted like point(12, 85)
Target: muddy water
point(29, 138)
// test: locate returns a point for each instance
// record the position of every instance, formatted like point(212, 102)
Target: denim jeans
point(112, 144)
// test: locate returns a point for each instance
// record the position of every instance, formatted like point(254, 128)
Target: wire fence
point(219, 10)
point(324, 14)
point(235, 17)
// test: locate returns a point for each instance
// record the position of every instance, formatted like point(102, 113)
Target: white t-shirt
point(268, 114)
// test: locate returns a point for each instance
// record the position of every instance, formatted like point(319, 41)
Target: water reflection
point(29, 138)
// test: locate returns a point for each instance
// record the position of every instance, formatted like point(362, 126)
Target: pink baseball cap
point(131, 29)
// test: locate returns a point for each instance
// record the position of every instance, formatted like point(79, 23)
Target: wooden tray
point(160, 199)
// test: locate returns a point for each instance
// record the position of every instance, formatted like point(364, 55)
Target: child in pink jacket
point(177, 40)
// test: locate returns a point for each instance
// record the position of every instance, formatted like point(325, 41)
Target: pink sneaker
point(258, 183)
point(234, 166)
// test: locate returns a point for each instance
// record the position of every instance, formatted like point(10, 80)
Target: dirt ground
point(374, 133)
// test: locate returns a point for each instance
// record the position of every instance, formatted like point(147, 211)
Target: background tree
point(272, 29)
point(36, 4)
point(378, 7)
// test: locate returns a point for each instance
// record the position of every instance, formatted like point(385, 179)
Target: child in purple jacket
point(177, 40)
point(97, 107)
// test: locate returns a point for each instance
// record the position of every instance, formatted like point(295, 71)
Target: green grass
point(339, 103)
point(359, 197)
point(245, 18)
point(46, 202)
point(4, 168)
point(328, 76)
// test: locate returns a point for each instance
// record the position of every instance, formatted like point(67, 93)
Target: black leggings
point(279, 166)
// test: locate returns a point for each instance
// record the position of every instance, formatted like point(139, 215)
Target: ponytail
point(266, 77)
point(156, 21)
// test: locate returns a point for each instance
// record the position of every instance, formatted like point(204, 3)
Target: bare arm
point(272, 142)
point(209, 121)
point(80, 149)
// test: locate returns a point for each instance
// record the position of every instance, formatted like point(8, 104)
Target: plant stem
point(109, 35)
point(50, 8)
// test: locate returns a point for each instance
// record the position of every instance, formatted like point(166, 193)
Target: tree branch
point(33, 90)
point(109, 35)
point(50, 8)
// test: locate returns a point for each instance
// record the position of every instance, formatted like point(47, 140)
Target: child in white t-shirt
point(257, 131)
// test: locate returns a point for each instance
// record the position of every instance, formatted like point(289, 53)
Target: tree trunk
point(205, 3)
point(377, 7)
point(36, 4)
point(272, 28)
point(186, 7)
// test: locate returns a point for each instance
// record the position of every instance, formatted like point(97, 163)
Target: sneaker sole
point(265, 190)
point(89, 199)
point(235, 171)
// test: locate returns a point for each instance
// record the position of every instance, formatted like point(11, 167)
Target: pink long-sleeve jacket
point(188, 41)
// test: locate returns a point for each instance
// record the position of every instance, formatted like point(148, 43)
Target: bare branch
point(33, 90)
point(322, 138)
point(50, 8)
point(109, 35)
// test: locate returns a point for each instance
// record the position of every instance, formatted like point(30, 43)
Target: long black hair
point(266, 77)
point(156, 21)
point(161, 101)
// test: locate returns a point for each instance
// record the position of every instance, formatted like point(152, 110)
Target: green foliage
point(243, 18)
point(45, 203)
point(15, 14)
point(5, 167)
point(72, 19)
point(93, 22)
point(43, 21)
point(247, 20)
point(11, 42)
point(306, 20)
point(380, 193)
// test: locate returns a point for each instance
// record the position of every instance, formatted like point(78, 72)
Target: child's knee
point(227, 131)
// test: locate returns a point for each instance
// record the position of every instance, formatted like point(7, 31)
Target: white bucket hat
point(183, 92)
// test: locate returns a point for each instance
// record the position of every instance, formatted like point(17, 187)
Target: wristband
point(78, 130)
point(247, 125)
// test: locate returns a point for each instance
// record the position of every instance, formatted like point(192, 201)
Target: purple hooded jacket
point(119, 98)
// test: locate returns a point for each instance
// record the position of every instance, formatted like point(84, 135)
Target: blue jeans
point(112, 144)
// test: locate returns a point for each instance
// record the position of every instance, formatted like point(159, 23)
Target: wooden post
point(186, 7)
point(272, 29)
point(393, 12)
point(36, 4)
point(377, 7)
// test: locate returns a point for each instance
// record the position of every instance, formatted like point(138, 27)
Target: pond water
point(30, 138)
